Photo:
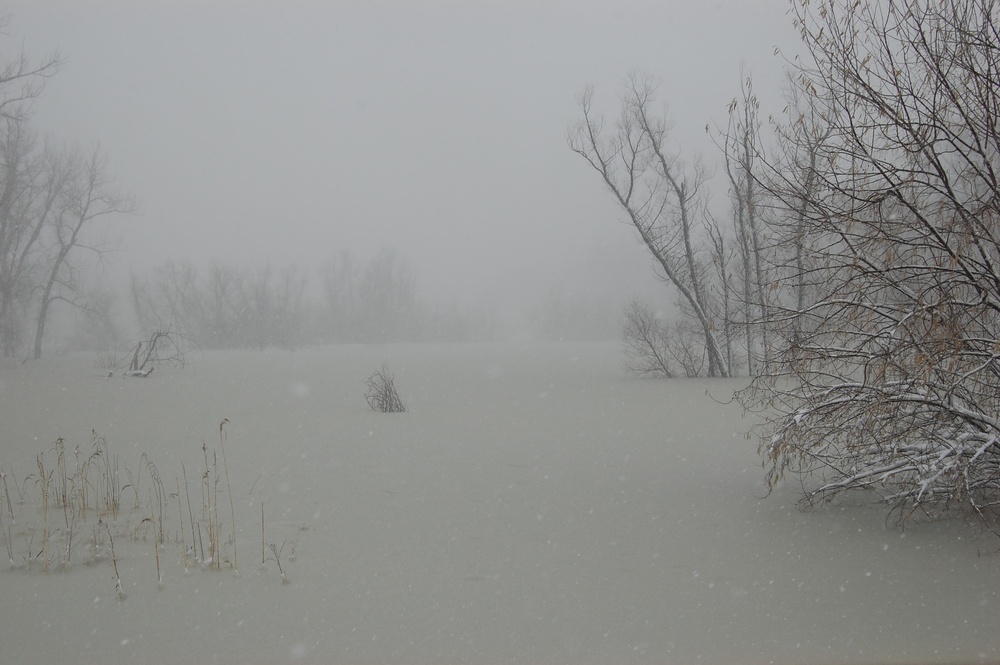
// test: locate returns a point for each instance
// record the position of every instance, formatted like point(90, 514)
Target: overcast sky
point(290, 130)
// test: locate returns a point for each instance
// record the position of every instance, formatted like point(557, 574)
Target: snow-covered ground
point(534, 505)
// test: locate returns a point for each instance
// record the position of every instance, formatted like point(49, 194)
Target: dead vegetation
point(381, 394)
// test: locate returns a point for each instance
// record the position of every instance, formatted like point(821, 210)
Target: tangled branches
point(381, 394)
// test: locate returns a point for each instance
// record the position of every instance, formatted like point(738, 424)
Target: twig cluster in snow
point(381, 394)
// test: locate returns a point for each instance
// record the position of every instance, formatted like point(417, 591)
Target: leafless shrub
point(107, 355)
point(381, 394)
point(655, 348)
point(646, 339)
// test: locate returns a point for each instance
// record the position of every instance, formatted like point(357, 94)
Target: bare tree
point(170, 298)
point(215, 307)
point(21, 223)
point(289, 290)
point(646, 337)
point(790, 181)
point(740, 144)
point(270, 306)
point(84, 197)
point(340, 292)
point(25, 202)
point(256, 306)
point(97, 326)
point(891, 380)
point(374, 302)
point(662, 201)
point(730, 303)
point(388, 299)
point(163, 346)
point(23, 79)
point(223, 308)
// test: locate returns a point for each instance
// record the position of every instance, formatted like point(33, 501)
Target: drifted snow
point(535, 505)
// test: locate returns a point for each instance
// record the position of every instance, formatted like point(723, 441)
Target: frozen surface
point(534, 505)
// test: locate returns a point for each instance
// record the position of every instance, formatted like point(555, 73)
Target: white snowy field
point(534, 505)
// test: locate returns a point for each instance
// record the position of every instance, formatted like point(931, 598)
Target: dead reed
point(86, 487)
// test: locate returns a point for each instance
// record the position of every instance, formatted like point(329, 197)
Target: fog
point(287, 132)
point(537, 502)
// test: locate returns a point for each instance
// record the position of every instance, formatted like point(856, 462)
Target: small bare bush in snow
point(381, 394)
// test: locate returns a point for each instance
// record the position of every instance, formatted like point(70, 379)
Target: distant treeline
point(225, 307)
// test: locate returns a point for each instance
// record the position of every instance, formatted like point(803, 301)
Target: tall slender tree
point(662, 201)
point(85, 195)
point(23, 199)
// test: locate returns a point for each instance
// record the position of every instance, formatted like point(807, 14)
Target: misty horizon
point(254, 133)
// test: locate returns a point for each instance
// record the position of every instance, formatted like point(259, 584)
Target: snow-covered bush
point(887, 202)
